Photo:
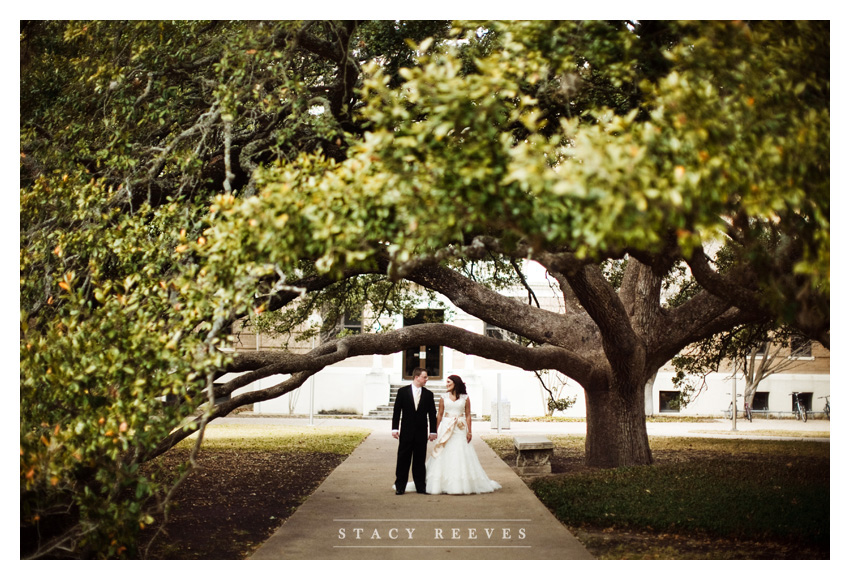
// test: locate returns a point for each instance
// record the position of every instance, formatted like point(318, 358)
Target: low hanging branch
point(261, 364)
point(224, 409)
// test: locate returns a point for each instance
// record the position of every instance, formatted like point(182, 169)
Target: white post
point(734, 396)
point(258, 406)
point(499, 403)
point(312, 384)
point(312, 392)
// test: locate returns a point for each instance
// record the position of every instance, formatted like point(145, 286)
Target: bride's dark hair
point(460, 386)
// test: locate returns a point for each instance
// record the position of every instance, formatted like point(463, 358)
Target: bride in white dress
point(453, 465)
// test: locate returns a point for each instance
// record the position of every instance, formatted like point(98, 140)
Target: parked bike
point(798, 407)
point(826, 406)
point(732, 410)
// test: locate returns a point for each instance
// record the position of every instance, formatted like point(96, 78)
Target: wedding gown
point(453, 466)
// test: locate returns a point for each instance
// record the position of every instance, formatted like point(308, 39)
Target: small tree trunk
point(616, 428)
point(648, 403)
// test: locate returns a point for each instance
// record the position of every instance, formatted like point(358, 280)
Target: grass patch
point(336, 440)
point(705, 498)
point(769, 450)
point(720, 497)
point(776, 433)
point(679, 419)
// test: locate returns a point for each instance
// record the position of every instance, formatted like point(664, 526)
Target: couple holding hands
point(452, 466)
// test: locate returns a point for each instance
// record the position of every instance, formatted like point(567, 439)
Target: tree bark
point(616, 427)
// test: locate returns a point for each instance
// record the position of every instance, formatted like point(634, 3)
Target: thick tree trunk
point(616, 427)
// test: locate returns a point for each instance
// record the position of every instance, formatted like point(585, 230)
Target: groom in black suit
point(414, 407)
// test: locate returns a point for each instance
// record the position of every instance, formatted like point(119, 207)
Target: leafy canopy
point(737, 131)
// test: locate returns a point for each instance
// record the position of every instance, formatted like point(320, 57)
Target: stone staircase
point(386, 411)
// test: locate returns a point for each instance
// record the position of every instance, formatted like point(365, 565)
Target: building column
point(376, 387)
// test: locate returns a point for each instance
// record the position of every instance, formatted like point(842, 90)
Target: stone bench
point(533, 454)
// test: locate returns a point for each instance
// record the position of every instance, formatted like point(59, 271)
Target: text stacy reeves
point(432, 533)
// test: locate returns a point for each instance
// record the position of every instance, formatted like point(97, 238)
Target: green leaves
point(103, 345)
point(598, 143)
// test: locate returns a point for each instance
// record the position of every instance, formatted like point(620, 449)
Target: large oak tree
point(177, 177)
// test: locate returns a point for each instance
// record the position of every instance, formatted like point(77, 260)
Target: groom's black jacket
point(414, 423)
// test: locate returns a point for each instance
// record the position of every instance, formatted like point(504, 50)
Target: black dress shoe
point(417, 491)
point(399, 493)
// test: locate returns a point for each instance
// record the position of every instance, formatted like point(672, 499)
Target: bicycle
point(730, 410)
point(826, 406)
point(748, 412)
point(798, 407)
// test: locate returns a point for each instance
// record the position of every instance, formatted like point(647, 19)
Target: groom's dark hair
point(418, 371)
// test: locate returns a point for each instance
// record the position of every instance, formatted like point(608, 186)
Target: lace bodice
point(454, 408)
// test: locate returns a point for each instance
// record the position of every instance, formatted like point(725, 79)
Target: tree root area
point(233, 501)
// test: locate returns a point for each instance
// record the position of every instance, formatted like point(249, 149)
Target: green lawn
point(736, 490)
point(279, 438)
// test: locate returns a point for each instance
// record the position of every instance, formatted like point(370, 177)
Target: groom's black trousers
point(411, 449)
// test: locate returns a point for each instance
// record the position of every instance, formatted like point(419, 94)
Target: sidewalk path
point(355, 515)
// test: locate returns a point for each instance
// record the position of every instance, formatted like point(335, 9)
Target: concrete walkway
point(355, 515)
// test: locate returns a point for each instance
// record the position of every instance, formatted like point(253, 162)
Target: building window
point(429, 358)
point(801, 347)
point(805, 399)
point(352, 323)
point(494, 331)
point(349, 323)
point(669, 401)
point(760, 402)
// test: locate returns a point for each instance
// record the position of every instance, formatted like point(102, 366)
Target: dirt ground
point(234, 501)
